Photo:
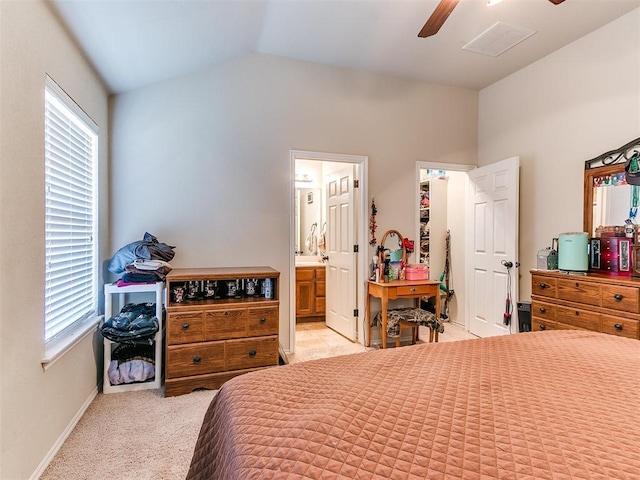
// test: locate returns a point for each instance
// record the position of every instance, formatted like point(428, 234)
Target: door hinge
point(356, 184)
point(355, 249)
point(355, 312)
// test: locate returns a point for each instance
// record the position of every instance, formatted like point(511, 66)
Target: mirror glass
point(308, 221)
point(608, 199)
point(391, 244)
point(610, 205)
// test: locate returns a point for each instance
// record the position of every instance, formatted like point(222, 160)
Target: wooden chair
point(414, 331)
point(433, 334)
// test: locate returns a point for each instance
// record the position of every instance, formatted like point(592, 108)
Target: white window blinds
point(71, 142)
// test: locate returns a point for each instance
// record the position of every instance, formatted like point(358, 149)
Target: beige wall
point(35, 406)
point(456, 190)
point(215, 147)
point(573, 105)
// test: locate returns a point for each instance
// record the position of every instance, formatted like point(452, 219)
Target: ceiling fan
point(442, 12)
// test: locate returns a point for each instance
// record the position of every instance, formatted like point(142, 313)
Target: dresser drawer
point(546, 311)
point(320, 274)
point(621, 298)
point(320, 289)
point(185, 327)
point(546, 287)
point(196, 359)
point(578, 318)
point(579, 291)
point(413, 290)
point(229, 323)
point(540, 324)
point(620, 326)
point(262, 321)
point(252, 352)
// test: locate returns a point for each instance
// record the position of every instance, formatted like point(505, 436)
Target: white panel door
point(492, 241)
point(341, 265)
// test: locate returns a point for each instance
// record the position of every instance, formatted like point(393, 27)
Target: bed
point(540, 405)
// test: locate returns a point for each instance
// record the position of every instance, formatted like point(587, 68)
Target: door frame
point(453, 167)
point(360, 218)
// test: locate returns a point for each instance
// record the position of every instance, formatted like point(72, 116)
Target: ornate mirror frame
point(606, 164)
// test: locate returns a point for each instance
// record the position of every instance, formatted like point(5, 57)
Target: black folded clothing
point(130, 277)
point(124, 352)
point(136, 324)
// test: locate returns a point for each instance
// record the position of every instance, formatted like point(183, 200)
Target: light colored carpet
point(145, 436)
point(132, 436)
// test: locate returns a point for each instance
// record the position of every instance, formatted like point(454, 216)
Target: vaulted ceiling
point(134, 43)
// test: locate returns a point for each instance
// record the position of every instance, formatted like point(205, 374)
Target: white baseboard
point(61, 439)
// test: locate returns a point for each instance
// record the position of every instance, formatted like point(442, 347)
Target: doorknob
point(325, 257)
point(508, 264)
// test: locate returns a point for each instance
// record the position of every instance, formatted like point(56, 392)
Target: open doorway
point(441, 233)
point(318, 233)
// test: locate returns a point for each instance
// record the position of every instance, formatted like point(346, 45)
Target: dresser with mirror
point(607, 298)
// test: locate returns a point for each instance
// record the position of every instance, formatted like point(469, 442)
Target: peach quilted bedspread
point(545, 405)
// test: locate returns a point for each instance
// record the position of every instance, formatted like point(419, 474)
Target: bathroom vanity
point(310, 292)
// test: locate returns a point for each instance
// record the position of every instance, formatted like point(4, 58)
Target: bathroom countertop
point(309, 262)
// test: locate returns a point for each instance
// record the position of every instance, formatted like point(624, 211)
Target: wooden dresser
point(221, 322)
point(598, 302)
point(310, 293)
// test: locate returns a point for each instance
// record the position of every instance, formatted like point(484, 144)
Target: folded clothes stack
point(146, 271)
point(136, 324)
point(143, 261)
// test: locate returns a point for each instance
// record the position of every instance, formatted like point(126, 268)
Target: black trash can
point(524, 316)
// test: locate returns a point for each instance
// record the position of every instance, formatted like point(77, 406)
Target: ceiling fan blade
point(556, 2)
point(438, 17)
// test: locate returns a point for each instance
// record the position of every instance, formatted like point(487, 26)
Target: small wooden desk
point(394, 290)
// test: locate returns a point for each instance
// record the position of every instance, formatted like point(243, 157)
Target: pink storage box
point(417, 272)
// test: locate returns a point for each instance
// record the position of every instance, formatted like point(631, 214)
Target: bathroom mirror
point(607, 196)
point(308, 221)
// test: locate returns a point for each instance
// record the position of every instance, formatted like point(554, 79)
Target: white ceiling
point(134, 43)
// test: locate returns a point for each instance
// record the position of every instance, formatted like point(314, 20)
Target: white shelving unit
point(435, 217)
point(110, 290)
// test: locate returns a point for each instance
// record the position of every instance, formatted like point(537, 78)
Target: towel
point(322, 240)
point(312, 240)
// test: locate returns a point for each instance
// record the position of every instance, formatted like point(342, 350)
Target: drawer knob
point(577, 314)
point(542, 309)
point(196, 359)
point(226, 313)
point(542, 326)
point(185, 326)
point(543, 285)
point(618, 326)
point(618, 297)
point(577, 285)
point(252, 353)
point(263, 319)
point(413, 289)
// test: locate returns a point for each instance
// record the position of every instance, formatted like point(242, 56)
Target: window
point(71, 271)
